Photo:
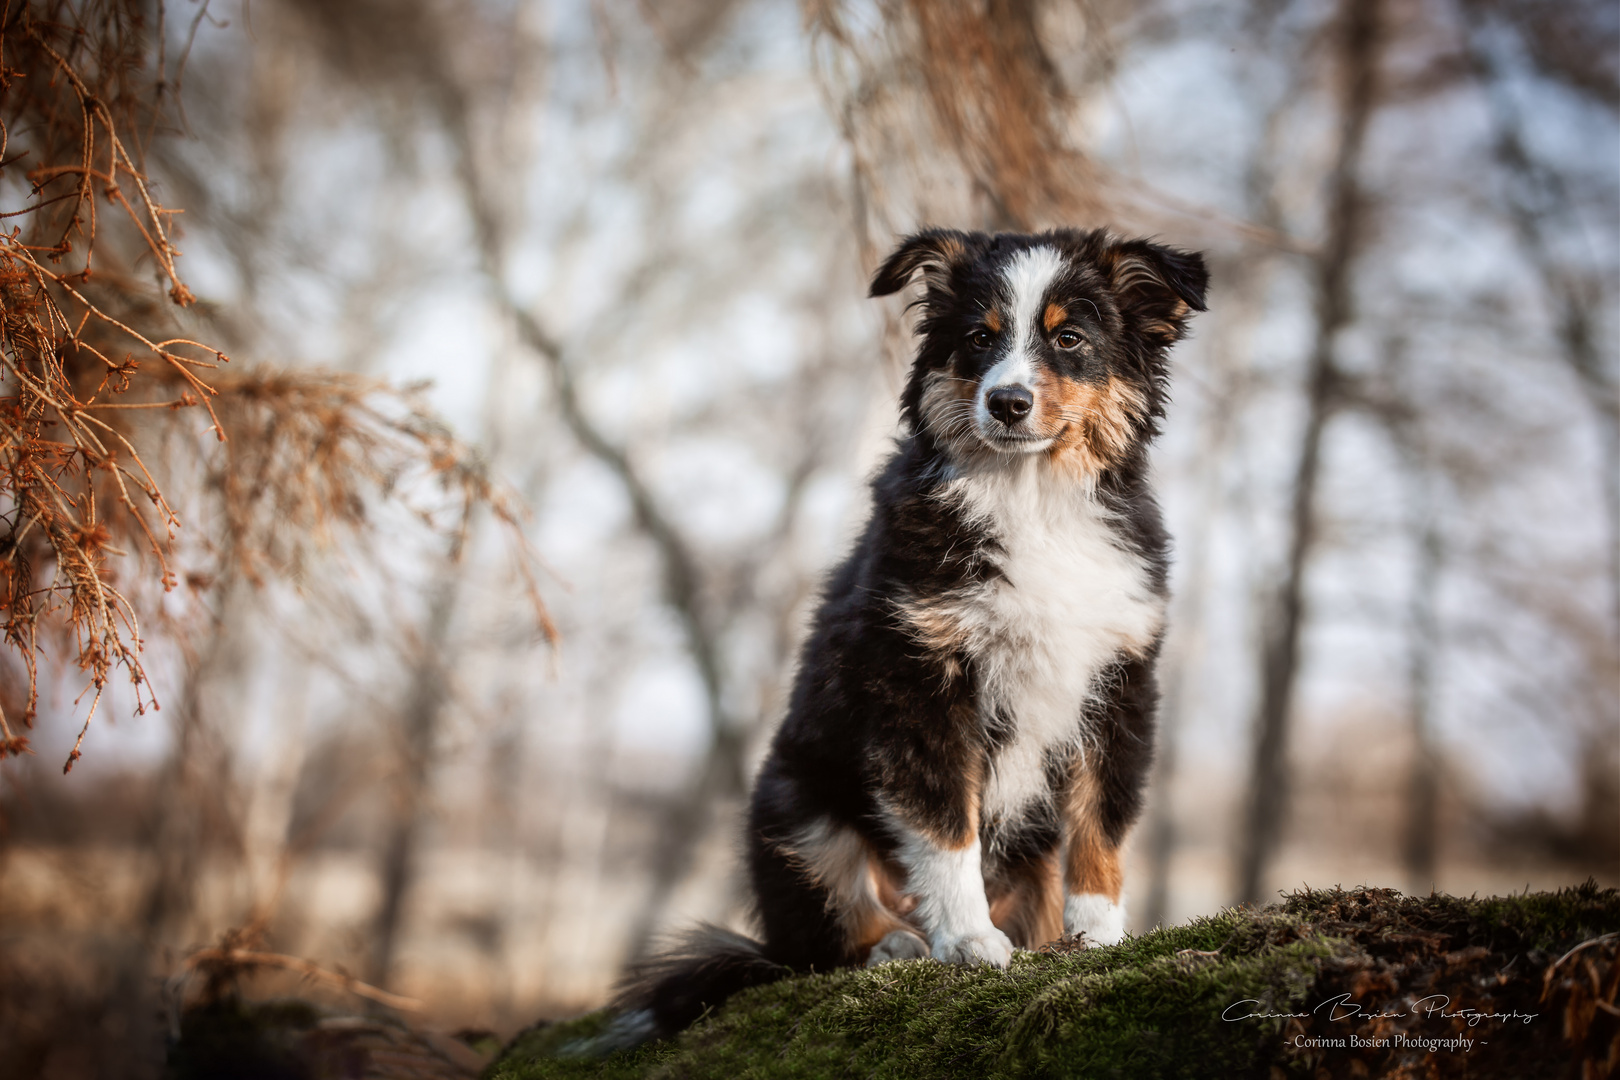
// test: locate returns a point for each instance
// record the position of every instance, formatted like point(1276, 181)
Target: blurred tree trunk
point(198, 776)
point(683, 827)
point(1181, 663)
point(418, 731)
point(176, 835)
point(683, 830)
point(1420, 848)
point(423, 62)
point(1243, 306)
point(1536, 197)
point(1539, 202)
point(1161, 829)
point(270, 807)
point(1357, 47)
point(1391, 405)
point(438, 654)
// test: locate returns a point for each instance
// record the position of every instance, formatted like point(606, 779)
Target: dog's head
point(1053, 343)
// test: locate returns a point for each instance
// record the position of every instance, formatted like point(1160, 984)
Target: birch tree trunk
point(1357, 45)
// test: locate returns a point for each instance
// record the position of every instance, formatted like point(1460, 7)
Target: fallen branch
point(219, 961)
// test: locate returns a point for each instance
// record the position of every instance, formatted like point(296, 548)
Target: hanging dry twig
point(71, 478)
point(311, 451)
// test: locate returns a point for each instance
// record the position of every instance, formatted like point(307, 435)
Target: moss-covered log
point(1326, 984)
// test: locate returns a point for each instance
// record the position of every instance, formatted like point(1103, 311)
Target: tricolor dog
point(972, 721)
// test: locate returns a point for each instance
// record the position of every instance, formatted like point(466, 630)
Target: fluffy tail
point(703, 968)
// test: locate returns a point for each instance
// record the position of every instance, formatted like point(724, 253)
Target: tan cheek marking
point(1056, 315)
point(992, 320)
point(1118, 406)
point(1094, 422)
point(1090, 863)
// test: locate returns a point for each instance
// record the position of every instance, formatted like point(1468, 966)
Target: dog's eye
point(1068, 339)
point(980, 338)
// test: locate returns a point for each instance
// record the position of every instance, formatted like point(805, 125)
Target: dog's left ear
point(936, 252)
point(1157, 287)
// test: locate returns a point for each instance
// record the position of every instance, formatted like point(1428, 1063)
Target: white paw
point(987, 946)
point(897, 945)
point(1100, 919)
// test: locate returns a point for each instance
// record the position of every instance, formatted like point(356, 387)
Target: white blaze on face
point(1028, 275)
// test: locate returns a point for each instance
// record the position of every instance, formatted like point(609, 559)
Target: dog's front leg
point(1104, 799)
point(1092, 875)
point(951, 904)
point(944, 874)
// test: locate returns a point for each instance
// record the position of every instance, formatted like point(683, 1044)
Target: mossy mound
point(1326, 984)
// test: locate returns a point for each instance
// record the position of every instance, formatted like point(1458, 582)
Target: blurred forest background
point(562, 302)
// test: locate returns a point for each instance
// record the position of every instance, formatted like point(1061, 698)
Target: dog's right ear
point(936, 252)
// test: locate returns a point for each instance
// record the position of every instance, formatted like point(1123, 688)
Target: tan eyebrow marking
point(1056, 315)
point(992, 319)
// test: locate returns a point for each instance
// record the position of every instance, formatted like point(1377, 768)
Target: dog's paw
point(897, 945)
point(1098, 918)
point(988, 946)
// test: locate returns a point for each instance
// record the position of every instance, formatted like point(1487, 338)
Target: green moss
point(1527, 920)
point(541, 1051)
point(1149, 1007)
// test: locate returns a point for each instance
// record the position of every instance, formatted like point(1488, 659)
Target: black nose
point(1010, 404)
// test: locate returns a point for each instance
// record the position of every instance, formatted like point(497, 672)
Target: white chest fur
point(1071, 600)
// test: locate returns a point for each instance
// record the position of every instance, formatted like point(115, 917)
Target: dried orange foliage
point(68, 77)
point(93, 358)
point(311, 451)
